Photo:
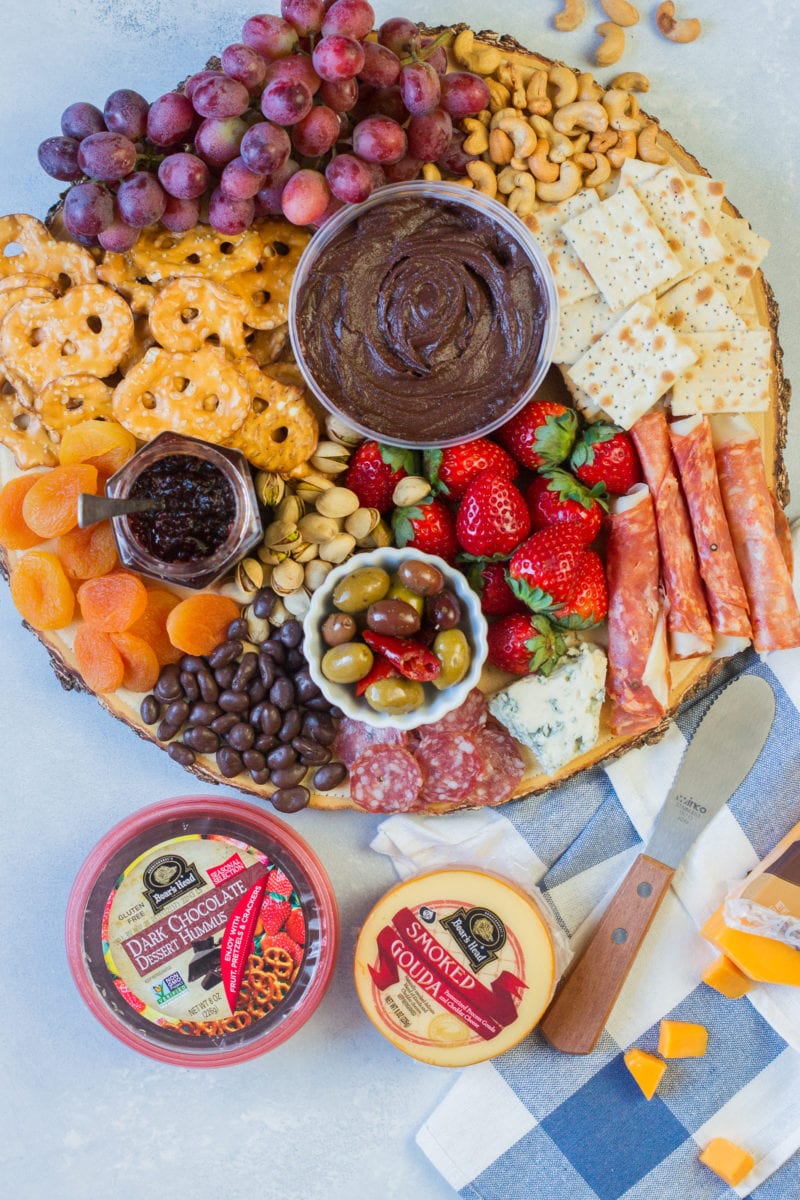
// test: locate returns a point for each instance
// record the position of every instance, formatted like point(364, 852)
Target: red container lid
point(201, 931)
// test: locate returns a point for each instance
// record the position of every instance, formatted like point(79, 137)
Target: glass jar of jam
point(209, 518)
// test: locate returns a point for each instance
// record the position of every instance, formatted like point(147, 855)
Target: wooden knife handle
point(577, 1016)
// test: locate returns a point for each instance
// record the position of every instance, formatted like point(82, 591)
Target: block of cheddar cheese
point(682, 1039)
point(762, 959)
point(646, 1069)
point(727, 1160)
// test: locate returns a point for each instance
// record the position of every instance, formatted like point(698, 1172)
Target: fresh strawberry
point(556, 497)
point(286, 943)
point(453, 469)
point(541, 435)
point(274, 913)
point(492, 517)
point(278, 883)
point(523, 643)
point(375, 471)
point(488, 579)
point(296, 926)
point(605, 455)
point(554, 573)
point(428, 526)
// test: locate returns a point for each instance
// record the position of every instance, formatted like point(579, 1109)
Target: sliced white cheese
point(557, 716)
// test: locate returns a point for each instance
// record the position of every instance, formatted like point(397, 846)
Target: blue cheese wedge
point(557, 716)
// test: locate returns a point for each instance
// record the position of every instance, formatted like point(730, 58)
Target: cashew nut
point(431, 171)
point(601, 172)
point(620, 11)
point(625, 148)
point(631, 81)
point(536, 98)
point(603, 141)
point(685, 30)
point(539, 164)
point(501, 147)
point(484, 116)
point(566, 83)
point(615, 102)
point(465, 182)
point(522, 200)
point(501, 115)
point(580, 144)
point(612, 46)
point(506, 180)
point(589, 88)
point(586, 114)
point(649, 151)
point(499, 95)
point(584, 161)
point(567, 184)
point(512, 77)
point(560, 145)
point(571, 17)
point(478, 138)
point(476, 56)
point(483, 177)
point(521, 134)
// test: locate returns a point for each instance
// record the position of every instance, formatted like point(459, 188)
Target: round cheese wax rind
point(455, 967)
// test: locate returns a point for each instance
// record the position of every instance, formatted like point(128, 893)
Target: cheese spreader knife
point(725, 747)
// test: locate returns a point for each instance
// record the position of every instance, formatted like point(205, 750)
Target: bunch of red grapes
point(305, 115)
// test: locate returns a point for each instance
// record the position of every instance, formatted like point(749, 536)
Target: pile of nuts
point(548, 131)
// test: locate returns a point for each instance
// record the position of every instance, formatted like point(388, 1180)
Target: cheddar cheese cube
point(725, 977)
point(682, 1039)
point(646, 1069)
point(762, 959)
point(727, 1160)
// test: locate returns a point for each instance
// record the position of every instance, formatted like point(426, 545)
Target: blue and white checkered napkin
point(540, 1125)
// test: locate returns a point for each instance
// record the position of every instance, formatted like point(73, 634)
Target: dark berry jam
point(199, 514)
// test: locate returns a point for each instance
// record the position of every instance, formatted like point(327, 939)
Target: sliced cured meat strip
point(385, 779)
point(751, 519)
point(353, 737)
point(688, 622)
point(451, 763)
point(470, 715)
point(638, 662)
point(503, 765)
point(727, 599)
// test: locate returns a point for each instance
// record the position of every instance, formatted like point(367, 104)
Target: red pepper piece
point(380, 669)
point(410, 657)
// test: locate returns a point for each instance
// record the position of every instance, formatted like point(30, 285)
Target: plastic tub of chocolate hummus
point(424, 316)
point(202, 932)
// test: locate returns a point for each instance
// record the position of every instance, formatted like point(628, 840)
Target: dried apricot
point(51, 506)
point(198, 624)
point(41, 591)
point(88, 553)
point(15, 533)
point(152, 625)
point(113, 602)
point(139, 660)
point(99, 661)
point(104, 444)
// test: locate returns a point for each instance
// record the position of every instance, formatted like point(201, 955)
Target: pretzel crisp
point(280, 430)
point(72, 399)
point(200, 394)
point(88, 329)
point(40, 253)
point(189, 312)
point(9, 296)
point(160, 255)
point(265, 288)
point(25, 435)
point(31, 280)
point(118, 272)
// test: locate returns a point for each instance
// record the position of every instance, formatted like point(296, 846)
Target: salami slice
point(751, 519)
point(638, 663)
point(727, 599)
point(385, 779)
point(353, 737)
point(688, 623)
point(451, 763)
point(470, 715)
point(503, 765)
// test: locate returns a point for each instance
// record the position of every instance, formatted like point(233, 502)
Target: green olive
point(395, 695)
point(452, 649)
point(347, 663)
point(398, 591)
point(360, 589)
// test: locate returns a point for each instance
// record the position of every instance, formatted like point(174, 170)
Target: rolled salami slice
point(385, 779)
point(751, 518)
point(727, 599)
point(688, 622)
point(638, 660)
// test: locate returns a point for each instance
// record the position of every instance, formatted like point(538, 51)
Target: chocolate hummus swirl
point(422, 320)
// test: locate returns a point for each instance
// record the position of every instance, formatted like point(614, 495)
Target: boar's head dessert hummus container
point(424, 316)
point(202, 932)
point(455, 966)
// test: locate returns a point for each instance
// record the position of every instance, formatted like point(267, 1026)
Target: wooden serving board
point(688, 677)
